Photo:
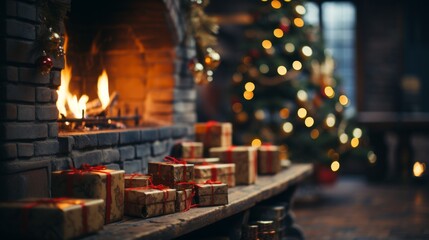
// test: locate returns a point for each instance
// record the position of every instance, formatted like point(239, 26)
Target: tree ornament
point(211, 59)
point(45, 63)
point(54, 40)
point(197, 70)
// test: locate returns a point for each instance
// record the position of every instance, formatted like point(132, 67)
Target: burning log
point(94, 107)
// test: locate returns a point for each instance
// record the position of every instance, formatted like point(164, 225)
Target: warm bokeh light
point(372, 158)
point(297, 65)
point(314, 134)
point(307, 51)
point(259, 114)
point(343, 138)
point(329, 91)
point(357, 133)
point(354, 142)
point(276, 4)
point(287, 127)
point(418, 169)
point(249, 86)
point(281, 70)
point(237, 107)
point(267, 44)
point(302, 112)
point(263, 68)
point(335, 166)
point(237, 77)
point(330, 120)
point(278, 33)
point(289, 47)
point(309, 121)
point(242, 117)
point(256, 142)
point(338, 107)
point(298, 22)
point(300, 9)
point(302, 95)
point(343, 100)
point(284, 113)
point(248, 95)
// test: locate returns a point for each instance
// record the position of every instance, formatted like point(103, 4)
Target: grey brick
point(8, 111)
point(54, 96)
point(110, 155)
point(143, 150)
point(47, 112)
point(32, 75)
point(178, 131)
point(185, 94)
point(108, 139)
point(26, 113)
point(53, 129)
point(25, 149)
point(182, 107)
point(10, 73)
point(9, 150)
point(145, 160)
point(58, 62)
point(159, 147)
point(83, 141)
point(90, 157)
point(55, 78)
point(113, 166)
point(20, 51)
point(66, 144)
point(134, 166)
point(127, 152)
point(43, 94)
point(156, 159)
point(47, 147)
point(11, 9)
point(26, 11)
point(149, 135)
point(21, 29)
point(14, 131)
point(20, 93)
point(189, 118)
point(63, 163)
point(164, 132)
point(129, 136)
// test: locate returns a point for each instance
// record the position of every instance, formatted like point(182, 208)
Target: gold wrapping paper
point(187, 150)
point(209, 170)
point(37, 218)
point(269, 159)
point(214, 134)
point(92, 184)
point(136, 180)
point(170, 174)
point(245, 159)
point(228, 179)
point(183, 200)
point(151, 210)
point(146, 196)
point(211, 194)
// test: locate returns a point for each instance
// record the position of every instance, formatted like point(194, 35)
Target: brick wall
point(30, 144)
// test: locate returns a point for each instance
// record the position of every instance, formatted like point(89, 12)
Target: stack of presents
point(196, 174)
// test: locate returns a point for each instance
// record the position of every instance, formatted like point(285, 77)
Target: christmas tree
point(285, 92)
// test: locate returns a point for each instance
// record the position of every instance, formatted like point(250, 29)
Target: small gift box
point(223, 172)
point(150, 201)
point(211, 193)
point(269, 159)
point(187, 150)
point(245, 159)
point(136, 180)
point(51, 218)
point(172, 173)
point(214, 134)
point(93, 182)
point(183, 200)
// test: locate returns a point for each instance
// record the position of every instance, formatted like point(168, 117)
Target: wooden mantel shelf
point(174, 225)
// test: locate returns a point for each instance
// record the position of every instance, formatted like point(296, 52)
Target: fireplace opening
point(120, 65)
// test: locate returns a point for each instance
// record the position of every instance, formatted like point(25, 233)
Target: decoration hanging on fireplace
point(203, 29)
point(50, 41)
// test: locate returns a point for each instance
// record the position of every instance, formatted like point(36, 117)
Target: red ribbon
point(213, 170)
point(192, 151)
point(133, 175)
point(31, 205)
point(269, 157)
point(208, 135)
point(88, 168)
point(170, 159)
point(159, 187)
point(229, 152)
point(212, 188)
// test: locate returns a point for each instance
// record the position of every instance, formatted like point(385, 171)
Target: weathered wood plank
point(174, 225)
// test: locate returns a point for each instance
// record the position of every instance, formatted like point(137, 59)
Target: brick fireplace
point(142, 47)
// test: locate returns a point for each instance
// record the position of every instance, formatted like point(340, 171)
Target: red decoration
point(324, 175)
point(45, 64)
point(284, 27)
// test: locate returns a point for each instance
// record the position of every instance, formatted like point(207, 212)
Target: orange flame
point(103, 89)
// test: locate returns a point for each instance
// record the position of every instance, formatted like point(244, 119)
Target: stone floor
point(355, 209)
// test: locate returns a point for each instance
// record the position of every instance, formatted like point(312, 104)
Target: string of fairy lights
point(292, 60)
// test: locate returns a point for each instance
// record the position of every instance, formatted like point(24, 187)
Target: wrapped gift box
point(173, 175)
point(93, 182)
point(183, 200)
point(136, 180)
point(211, 194)
point(148, 202)
point(214, 134)
point(201, 161)
point(245, 159)
point(223, 172)
point(269, 159)
point(51, 218)
point(186, 150)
